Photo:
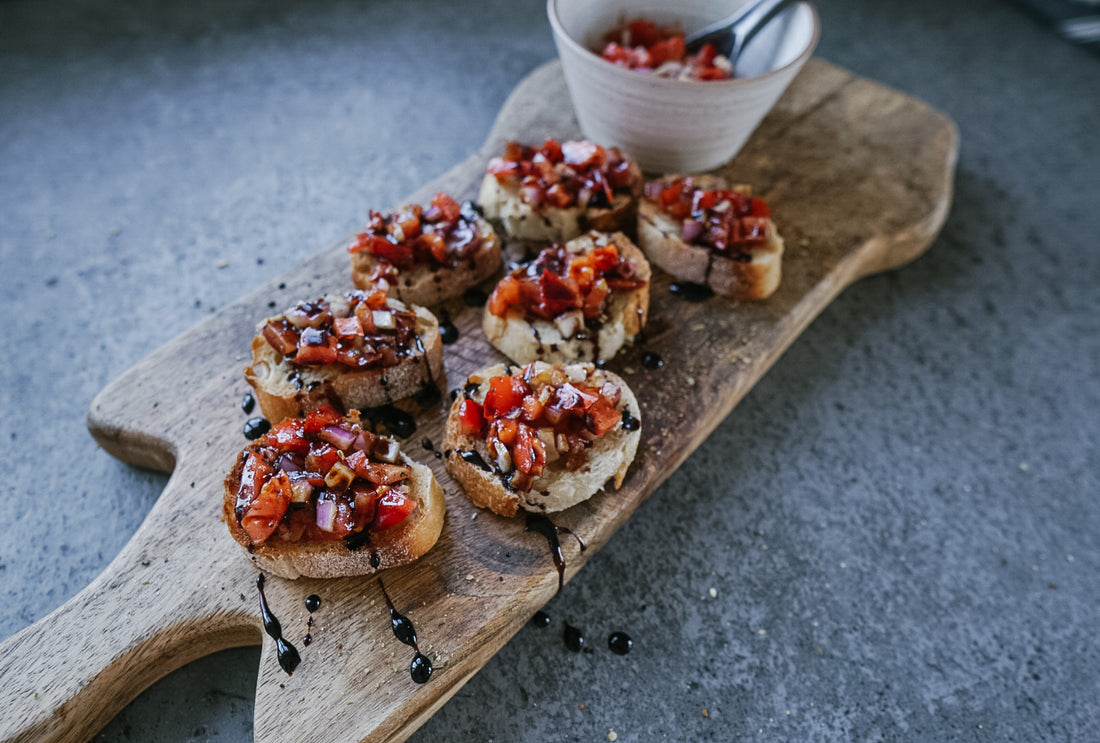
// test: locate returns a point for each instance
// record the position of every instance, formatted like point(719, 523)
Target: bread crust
point(501, 201)
point(557, 488)
point(397, 545)
point(432, 284)
point(743, 280)
point(288, 390)
point(524, 340)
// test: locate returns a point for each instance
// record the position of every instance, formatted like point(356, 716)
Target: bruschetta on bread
point(581, 301)
point(321, 497)
point(359, 350)
point(542, 437)
point(699, 230)
point(557, 191)
point(425, 255)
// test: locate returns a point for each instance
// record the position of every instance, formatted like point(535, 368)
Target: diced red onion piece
point(326, 515)
point(287, 464)
point(692, 229)
point(338, 436)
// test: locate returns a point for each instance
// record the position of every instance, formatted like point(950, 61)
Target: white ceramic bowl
point(675, 125)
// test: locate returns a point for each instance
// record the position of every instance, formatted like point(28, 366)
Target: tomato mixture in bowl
point(644, 46)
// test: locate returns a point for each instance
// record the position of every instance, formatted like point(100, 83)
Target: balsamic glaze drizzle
point(541, 524)
point(540, 620)
point(286, 653)
point(421, 667)
point(471, 456)
point(248, 402)
point(690, 292)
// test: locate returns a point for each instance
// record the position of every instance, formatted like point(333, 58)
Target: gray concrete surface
point(901, 523)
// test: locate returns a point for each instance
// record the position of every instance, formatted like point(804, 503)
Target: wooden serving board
point(860, 180)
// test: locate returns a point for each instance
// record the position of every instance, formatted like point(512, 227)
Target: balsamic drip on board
point(540, 620)
point(652, 360)
point(397, 421)
point(313, 603)
point(541, 524)
point(448, 333)
point(421, 667)
point(286, 653)
point(254, 428)
point(690, 292)
point(248, 402)
point(474, 297)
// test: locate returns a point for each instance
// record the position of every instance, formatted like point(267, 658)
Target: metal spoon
point(730, 35)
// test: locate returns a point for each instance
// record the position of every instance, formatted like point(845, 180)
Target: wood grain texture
point(860, 180)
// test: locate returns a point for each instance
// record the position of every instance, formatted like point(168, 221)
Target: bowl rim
point(590, 56)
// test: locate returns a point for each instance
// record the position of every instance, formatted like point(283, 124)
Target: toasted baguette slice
point(750, 275)
point(558, 487)
point(286, 389)
point(397, 545)
point(568, 338)
point(430, 283)
point(502, 200)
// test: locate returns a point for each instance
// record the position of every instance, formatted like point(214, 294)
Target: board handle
point(147, 614)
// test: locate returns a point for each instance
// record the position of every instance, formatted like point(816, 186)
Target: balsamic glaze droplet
point(397, 421)
point(421, 668)
point(541, 524)
point(248, 402)
point(313, 603)
point(475, 459)
point(286, 653)
point(428, 395)
point(574, 640)
point(357, 540)
point(254, 428)
point(474, 297)
point(540, 620)
point(690, 292)
point(651, 360)
point(630, 423)
point(448, 333)
point(427, 445)
point(620, 643)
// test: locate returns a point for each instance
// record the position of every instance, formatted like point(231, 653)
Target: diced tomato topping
point(505, 395)
point(262, 517)
point(470, 418)
point(449, 209)
point(392, 508)
point(602, 417)
point(378, 473)
point(321, 457)
point(721, 219)
point(282, 336)
point(582, 153)
point(668, 50)
point(397, 254)
point(321, 417)
point(528, 454)
point(287, 436)
point(506, 429)
point(347, 327)
point(319, 354)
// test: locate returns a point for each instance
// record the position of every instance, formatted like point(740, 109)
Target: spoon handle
point(730, 35)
